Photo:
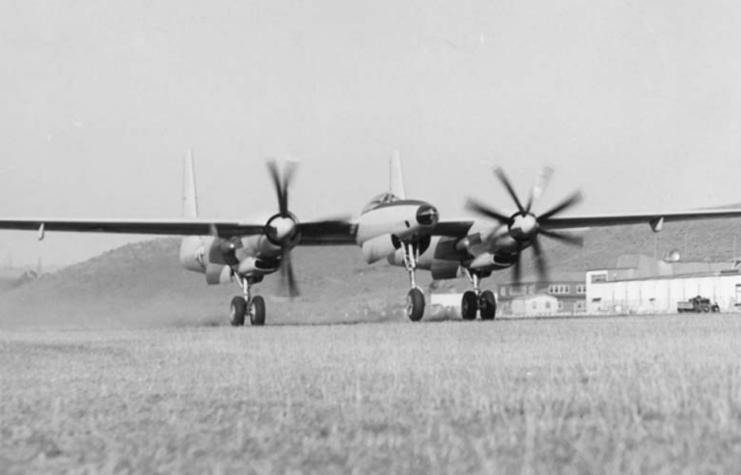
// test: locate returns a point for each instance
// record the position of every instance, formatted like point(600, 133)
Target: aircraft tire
point(469, 305)
point(488, 305)
point(415, 305)
point(237, 311)
point(257, 312)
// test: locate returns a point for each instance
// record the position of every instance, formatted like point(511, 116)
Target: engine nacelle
point(218, 274)
point(254, 265)
point(487, 262)
point(260, 245)
point(193, 254)
point(379, 247)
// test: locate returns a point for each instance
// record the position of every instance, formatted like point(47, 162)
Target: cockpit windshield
point(383, 198)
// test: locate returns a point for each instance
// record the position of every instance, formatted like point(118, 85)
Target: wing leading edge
point(312, 232)
point(461, 228)
point(653, 219)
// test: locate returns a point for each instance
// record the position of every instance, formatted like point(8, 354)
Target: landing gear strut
point(415, 298)
point(247, 305)
point(476, 300)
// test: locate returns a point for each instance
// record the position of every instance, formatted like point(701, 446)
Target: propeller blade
point(475, 206)
point(503, 178)
point(279, 188)
point(288, 172)
point(287, 276)
point(563, 237)
point(517, 270)
point(541, 182)
point(572, 200)
point(540, 261)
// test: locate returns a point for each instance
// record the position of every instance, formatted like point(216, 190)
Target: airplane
point(406, 232)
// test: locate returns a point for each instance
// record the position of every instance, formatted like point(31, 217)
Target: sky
point(637, 104)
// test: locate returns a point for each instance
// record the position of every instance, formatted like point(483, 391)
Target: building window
point(535, 305)
point(547, 305)
point(560, 306)
point(581, 289)
point(599, 277)
point(559, 289)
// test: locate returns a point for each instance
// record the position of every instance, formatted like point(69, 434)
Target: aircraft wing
point(327, 233)
point(653, 219)
point(312, 232)
point(460, 228)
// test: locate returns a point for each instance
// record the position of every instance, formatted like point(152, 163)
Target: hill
point(143, 284)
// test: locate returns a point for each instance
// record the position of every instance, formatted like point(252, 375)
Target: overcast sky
point(635, 103)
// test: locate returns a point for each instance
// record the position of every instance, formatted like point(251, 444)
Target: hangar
point(640, 284)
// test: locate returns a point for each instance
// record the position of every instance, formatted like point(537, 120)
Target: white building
point(534, 305)
point(628, 289)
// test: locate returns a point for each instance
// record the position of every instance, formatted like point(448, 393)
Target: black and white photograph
point(370, 237)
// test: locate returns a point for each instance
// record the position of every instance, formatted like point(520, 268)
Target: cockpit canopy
point(383, 198)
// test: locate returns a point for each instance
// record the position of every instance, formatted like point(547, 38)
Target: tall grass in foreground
point(650, 394)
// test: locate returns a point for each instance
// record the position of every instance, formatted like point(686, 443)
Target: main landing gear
point(475, 300)
point(415, 298)
point(247, 305)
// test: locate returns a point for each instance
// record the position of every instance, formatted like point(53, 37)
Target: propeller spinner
point(282, 228)
point(524, 226)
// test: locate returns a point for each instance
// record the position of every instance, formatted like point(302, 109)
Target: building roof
point(553, 278)
point(722, 273)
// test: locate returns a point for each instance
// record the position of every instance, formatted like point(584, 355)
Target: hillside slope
point(143, 284)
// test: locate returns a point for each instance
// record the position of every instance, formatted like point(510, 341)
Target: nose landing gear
point(415, 308)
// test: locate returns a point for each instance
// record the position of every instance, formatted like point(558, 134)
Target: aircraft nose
point(427, 215)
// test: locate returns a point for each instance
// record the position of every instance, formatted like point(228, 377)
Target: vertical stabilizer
point(396, 178)
point(192, 248)
point(190, 201)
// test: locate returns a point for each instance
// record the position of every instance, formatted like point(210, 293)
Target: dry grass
point(623, 395)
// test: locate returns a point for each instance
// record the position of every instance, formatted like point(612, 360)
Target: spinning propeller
point(525, 227)
point(282, 228)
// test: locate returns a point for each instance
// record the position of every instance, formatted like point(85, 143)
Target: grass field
point(590, 395)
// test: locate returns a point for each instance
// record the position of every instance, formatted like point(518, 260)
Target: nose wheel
point(415, 308)
point(243, 306)
point(415, 304)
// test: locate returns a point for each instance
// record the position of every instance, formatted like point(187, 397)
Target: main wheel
point(257, 311)
point(488, 305)
point(415, 304)
point(469, 305)
point(237, 311)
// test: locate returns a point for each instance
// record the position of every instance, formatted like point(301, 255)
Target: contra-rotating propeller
point(282, 229)
point(525, 227)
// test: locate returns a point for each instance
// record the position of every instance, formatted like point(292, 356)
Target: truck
point(698, 304)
